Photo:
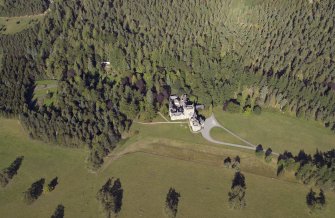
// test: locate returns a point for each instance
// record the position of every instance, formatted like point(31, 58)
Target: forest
point(247, 53)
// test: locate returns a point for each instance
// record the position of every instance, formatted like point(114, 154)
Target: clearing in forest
point(46, 92)
point(11, 25)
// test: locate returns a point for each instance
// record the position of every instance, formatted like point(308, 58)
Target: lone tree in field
point(34, 192)
point(53, 183)
point(59, 212)
point(227, 162)
point(236, 196)
point(315, 202)
point(236, 163)
point(8, 173)
point(110, 197)
point(268, 155)
point(259, 150)
point(171, 203)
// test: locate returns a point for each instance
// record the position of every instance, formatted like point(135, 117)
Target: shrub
point(259, 150)
point(247, 110)
point(268, 155)
point(233, 107)
point(257, 110)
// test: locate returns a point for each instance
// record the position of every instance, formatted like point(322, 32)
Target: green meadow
point(276, 130)
point(147, 166)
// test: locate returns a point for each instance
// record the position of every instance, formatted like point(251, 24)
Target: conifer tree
point(59, 212)
point(236, 196)
point(110, 196)
point(171, 203)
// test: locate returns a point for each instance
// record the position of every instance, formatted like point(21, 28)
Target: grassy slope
point(40, 160)
point(279, 131)
point(145, 179)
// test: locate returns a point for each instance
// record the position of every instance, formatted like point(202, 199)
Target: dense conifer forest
point(248, 53)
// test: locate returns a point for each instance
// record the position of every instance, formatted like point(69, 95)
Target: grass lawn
point(221, 135)
point(17, 24)
point(278, 131)
point(145, 178)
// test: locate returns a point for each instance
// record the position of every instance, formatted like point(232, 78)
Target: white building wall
point(195, 126)
point(187, 114)
point(180, 117)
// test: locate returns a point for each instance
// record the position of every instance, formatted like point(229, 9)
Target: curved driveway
point(210, 123)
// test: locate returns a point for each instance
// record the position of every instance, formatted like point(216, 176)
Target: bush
point(259, 150)
point(235, 164)
point(268, 155)
point(164, 109)
point(49, 95)
point(257, 110)
point(233, 107)
point(247, 110)
point(227, 162)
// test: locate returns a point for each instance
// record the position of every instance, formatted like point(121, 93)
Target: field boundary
point(135, 149)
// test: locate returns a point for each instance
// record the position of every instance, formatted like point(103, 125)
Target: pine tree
point(110, 196)
point(8, 173)
point(314, 202)
point(34, 192)
point(59, 212)
point(236, 196)
point(171, 203)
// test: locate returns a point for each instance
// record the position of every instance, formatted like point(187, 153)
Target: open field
point(13, 25)
point(145, 177)
point(221, 135)
point(278, 131)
